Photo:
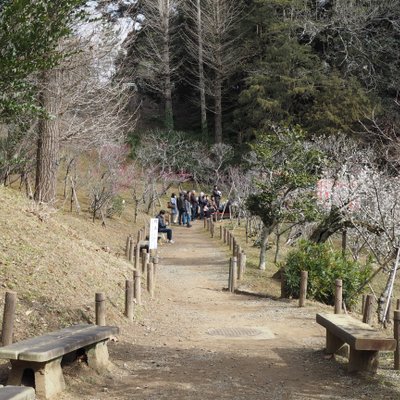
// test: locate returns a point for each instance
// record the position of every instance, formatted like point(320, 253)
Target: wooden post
point(127, 248)
point(231, 241)
point(234, 250)
point(212, 229)
point(240, 265)
point(138, 287)
point(224, 232)
point(220, 232)
point(139, 236)
point(244, 262)
point(100, 309)
point(144, 261)
point(208, 224)
point(131, 250)
point(367, 316)
point(230, 276)
point(137, 256)
point(204, 222)
point(155, 260)
point(150, 279)
point(129, 299)
point(338, 296)
point(396, 329)
point(10, 304)
point(398, 304)
point(363, 304)
point(234, 274)
point(303, 288)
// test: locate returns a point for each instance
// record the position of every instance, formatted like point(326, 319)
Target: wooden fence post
point(398, 304)
point(137, 256)
point(129, 299)
point(224, 232)
point(244, 262)
point(396, 330)
point(338, 296)
point(150, 279)
point(10, 304)
point(240, 265)
point(212, 229)
point(144, 261)
point(156, 260)
point(303, 288)
point(131, 251)
point(234, 274)
point(100, 299)
point(204, 222)
point(220, 232)
point(367, 316)
point(230, 276)
point(138, 287)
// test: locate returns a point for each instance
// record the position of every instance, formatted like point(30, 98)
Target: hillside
point(56, 262)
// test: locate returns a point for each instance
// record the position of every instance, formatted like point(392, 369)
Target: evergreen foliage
point(29, 35)
point(324, 266)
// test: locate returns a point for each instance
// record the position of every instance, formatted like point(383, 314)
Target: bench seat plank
point(358, 335)
point(13, 350)
point(17, 393)
point(49, 351)
point(56, 344)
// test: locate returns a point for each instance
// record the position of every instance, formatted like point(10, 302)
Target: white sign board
point(153, 234)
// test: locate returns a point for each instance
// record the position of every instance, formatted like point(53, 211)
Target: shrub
point(324, 265)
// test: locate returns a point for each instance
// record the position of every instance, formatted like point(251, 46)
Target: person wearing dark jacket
point(180, 202)
point(162, 226)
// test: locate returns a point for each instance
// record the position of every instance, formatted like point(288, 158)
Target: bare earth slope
point(197, 341)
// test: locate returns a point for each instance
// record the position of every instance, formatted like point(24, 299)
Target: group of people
point(187, 207)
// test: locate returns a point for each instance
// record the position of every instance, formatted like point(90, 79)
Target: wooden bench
point(365, 342)
point(17, 393)
point(41, 357)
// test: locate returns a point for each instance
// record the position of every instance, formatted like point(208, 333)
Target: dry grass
point(56, 261)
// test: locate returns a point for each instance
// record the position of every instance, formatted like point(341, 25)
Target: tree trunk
point(48, 139)
point(263, 248)
point(218, 80)
point(202, 85)
point(169, 116)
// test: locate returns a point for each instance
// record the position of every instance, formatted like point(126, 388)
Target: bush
point(324, 265)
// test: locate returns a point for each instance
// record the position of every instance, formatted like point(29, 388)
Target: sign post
point(153, 234)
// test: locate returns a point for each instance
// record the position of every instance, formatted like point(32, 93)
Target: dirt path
point(265, 349)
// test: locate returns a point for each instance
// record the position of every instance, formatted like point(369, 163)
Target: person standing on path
point(217, 196)
point(174, 209)
point(180, 202)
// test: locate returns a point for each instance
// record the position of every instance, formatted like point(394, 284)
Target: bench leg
point(97, 356)
point(363, 360)
point(333, 343)
point(49, 379)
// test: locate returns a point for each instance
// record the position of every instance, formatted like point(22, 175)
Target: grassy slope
point(56, 261)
